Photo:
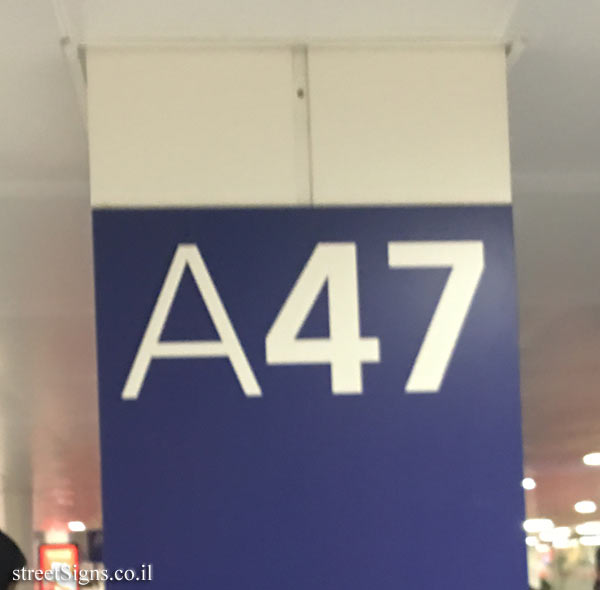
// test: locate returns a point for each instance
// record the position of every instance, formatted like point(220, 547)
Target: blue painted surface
point(301, 489)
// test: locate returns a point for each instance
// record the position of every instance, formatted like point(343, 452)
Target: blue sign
point(323, 399)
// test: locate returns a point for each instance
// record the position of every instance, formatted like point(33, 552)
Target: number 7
point(467, 262)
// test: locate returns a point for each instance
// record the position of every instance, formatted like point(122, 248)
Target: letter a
point(228, 344)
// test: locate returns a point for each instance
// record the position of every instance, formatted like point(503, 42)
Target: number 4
point(467, 262)
point(344, 350)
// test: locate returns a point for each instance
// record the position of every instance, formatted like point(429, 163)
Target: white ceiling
point(554, 89)
point(302, 20)
point(47, 366)
point(43, 145)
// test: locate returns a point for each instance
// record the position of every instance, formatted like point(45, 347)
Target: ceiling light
point(592, 459)
point(565, 543)
point(588, 528)
point(56, 536)
point(585, 507)
point(537, 525)
point(559, 533)
point(562, 531)
point(592, 541)
point(529, 483)
point(543, 548)
point(76, 526)
point(531, 541)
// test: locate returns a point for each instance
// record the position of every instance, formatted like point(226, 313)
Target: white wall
point(423, 126)
point(224, 126)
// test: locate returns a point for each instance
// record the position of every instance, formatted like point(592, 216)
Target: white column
point(191, 125)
